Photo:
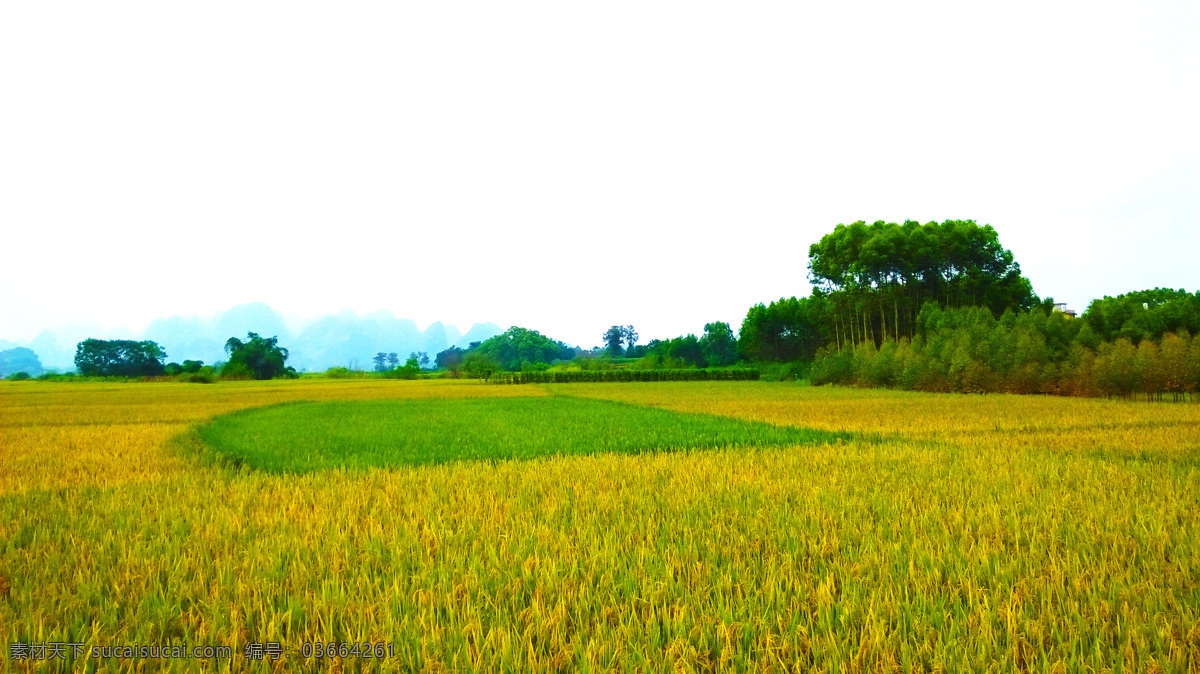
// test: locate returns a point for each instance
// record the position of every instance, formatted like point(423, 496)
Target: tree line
point(934, 306)
point(870, 282)
point(968, 350)
point(515, 350)
point(943, 307)
point(524, 350)
point(388, 364)
point(255, 358)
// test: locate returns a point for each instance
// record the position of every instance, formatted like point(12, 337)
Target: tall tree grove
point(878, 276)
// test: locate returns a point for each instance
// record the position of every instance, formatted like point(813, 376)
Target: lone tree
point(393, 361)
point(613, 338)
point(630, 336)
point(451, 359)
point(718, 344)
point(119, 358)
point(257, 357)
point(380, 361)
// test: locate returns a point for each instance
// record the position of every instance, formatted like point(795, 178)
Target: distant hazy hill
point(56, 348)
point(187, 339)
point(19, 359)
point(478, 333)
point(348, 340)
point(345, 339)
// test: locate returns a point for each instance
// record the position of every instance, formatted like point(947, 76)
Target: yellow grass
point(56, 435)
point(961, 533)
point(984, 422)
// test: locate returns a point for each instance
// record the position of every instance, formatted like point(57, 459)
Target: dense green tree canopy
point(119, 358)
point(787, 330)
point(879, 275)
point(680, 350)
point(477, 364)
point(517, 346)
point(1144, 314)
point(257, 357)
point(718, 345)
point(613, 338)
point(187, 367)
point(969, 350)
point(450, 359)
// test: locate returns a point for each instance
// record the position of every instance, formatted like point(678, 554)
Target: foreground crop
point(972, 533)
point(316, 436)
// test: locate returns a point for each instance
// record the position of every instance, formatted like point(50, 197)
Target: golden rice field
point(950, 533)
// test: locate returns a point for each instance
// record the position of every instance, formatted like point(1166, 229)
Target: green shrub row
point(969, 360)
point(623, 375)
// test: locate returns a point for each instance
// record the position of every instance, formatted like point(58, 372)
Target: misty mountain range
point(345, 340)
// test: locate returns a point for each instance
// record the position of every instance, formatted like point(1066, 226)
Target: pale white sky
point(565, 166)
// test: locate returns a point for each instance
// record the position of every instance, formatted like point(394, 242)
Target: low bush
point(341, 373)
point(624, 375)
point(794, 371)
point(203, 375)
point(403, 372)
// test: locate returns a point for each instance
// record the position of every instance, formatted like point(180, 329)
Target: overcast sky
point(567, 166)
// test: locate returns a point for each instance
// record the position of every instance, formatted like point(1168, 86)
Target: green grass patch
point(304, 437)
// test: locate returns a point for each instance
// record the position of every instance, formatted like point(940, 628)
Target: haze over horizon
point(567, 168)
point(344, 339)
point(294, 322)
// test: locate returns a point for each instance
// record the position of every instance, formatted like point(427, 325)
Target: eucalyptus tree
point(867, 269)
